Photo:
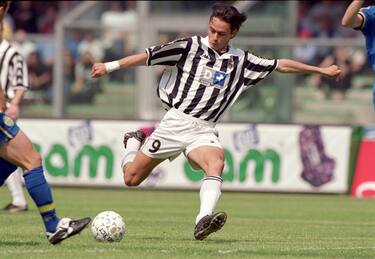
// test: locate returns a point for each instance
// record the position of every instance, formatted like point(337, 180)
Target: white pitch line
point(228, 251)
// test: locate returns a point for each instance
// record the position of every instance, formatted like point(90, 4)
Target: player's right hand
point(98, 70)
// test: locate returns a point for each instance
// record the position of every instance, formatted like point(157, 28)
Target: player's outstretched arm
point(100, 69)
point(352, 18)
point(292, 66)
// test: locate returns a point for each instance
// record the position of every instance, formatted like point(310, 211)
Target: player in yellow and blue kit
point(363, 19)
point(16, 150)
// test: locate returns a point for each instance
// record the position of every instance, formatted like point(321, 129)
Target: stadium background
point(77, 122)
point(61, 32)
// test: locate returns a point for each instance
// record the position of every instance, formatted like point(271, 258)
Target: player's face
point(219, 34)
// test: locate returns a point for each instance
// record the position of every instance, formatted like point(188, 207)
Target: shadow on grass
point(211, 240)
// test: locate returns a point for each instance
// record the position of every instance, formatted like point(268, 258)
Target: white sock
point(209, 195)
point(15, 185)
point(132, 147)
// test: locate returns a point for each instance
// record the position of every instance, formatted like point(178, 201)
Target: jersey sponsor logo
point(219, 78)
point(212, 77)
point(8, 121)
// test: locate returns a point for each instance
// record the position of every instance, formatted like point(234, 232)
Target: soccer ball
point(108, 226)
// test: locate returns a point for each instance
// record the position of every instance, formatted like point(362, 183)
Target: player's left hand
point(332, 71)
point(13, 111)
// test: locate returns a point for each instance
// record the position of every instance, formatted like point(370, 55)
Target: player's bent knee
point(34, 160)
point(216, 167)
point(132, 181)
point(131, 177)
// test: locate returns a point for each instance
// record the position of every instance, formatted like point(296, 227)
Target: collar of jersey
point(226, 55)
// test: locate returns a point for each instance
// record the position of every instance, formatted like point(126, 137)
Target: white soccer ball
point(108, 226)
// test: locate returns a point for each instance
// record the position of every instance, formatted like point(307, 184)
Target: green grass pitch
point(160, 225)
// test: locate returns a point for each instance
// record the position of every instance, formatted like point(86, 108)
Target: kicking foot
point(66, 228)
point(209, 224)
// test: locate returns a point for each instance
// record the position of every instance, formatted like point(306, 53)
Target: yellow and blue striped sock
point(40, 192)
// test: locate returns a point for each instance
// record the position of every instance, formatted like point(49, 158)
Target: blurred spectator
point(326, 30)
point(116, 21)
point(326, 27)
point(306, 52)
point(46, 23)
point(24, 16)
point(359, 59)
point(65, 7)
point(305, 24)
point(114, 39)
point(349, 63)
point(39, 16)
point(40, 76)
point(69, 72)
point(21, 42)
point(120, 22)
point(85, 87)
point(91, 45)
point(321, 18)
point(46, 48)
point(119, 35)
point(72, 40)
point(330, 10)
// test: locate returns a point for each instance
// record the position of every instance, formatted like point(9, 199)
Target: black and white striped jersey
point(13, 70)
point(199, 81)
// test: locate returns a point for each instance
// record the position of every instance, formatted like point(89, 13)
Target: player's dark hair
point(228, 14)
point(5, 6)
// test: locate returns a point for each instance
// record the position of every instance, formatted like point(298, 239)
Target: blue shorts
point(8, 128)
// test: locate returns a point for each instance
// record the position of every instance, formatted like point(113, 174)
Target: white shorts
point(179, 132)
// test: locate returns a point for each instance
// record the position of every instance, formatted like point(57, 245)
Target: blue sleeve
point(369, 25)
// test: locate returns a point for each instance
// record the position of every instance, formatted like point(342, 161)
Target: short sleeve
point(369, 20)
point(257, 68)
point(168, 54)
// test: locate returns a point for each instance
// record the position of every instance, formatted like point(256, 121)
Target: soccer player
point(16, 150)
point(204, 77)
point(14, 80)
point(363, 19)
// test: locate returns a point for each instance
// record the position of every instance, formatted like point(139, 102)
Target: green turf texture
point(160, 225)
